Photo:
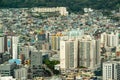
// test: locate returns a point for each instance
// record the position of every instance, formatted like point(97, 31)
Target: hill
point(73, 5)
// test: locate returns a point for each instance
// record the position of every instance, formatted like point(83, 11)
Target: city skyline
point(55, 44)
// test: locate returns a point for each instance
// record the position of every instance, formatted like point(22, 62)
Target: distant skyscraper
point(55, 41)
point(113, 39)
point(1, 44)
point(11, 45)
point(111, 70)
point(104, 39)
point(97, 52)
point(63, 54)
point(58, 43)
point(15, 47)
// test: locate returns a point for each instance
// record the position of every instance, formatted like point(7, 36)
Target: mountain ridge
point(72, 5)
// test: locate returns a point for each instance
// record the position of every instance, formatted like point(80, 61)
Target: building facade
point(62, 10)
point(80, 52)
point(7, 69)
point(89, 52)
point(1, 44)
point(36, 64)
point(110, 39)
point(21, 74)
point(15, 47)
point(36, 58)
point(68, 54)
point(111, 70)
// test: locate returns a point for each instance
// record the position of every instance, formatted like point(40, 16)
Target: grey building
point(4, 57)
point(7, 69)
point(118, 71)
point(36, 62)
point(21, 74)
point(36, 59)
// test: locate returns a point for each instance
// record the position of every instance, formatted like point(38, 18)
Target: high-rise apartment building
point(113, 39)
point(104, 39)
point(55, 41)
point(89, 52)
point(111, 70)
point(97, 52)
point(84, 51)
point(36, 63)
point(1, 44)
point(110, 40)
point(68, 54)
point(36, 58)
point(15, 47)
point(12, 45)
point(63, 54)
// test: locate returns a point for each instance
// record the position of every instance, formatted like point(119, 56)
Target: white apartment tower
point(84, 51)
point(1, 44)
point(113, 39)
point(111, 70)
point(68, 54)
point(104, 39)
point(89, 52)
point(15, 47)
point(110, 40)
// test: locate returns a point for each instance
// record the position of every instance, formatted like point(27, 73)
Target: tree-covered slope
point(73, 5)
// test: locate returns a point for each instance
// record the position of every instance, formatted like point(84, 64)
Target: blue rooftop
point(17, 61)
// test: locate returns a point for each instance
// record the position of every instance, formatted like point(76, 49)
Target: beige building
point(82, 52)
point(62, 10)
point(89, 52)
point(110, 40)
point(1, 44)
point(68, 54)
